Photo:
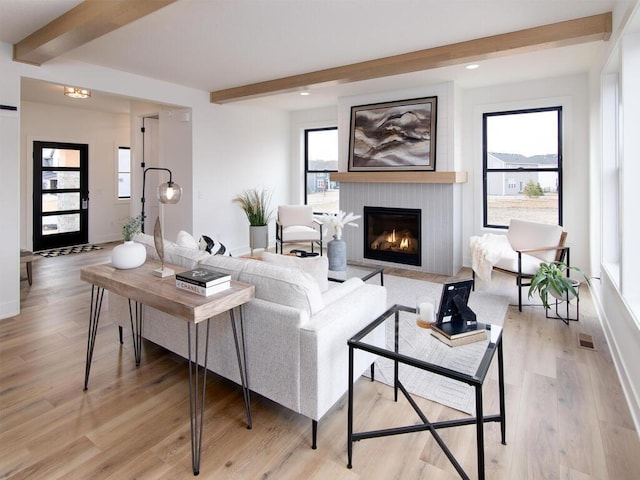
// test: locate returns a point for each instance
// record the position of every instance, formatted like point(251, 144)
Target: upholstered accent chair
point(527, 245)
point(296, 224)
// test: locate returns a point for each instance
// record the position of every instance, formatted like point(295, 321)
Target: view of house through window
point(522, 163)
point(321, 157)
point(124, 172)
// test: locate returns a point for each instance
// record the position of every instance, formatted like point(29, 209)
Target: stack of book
point(459, 333)
point(203, 281)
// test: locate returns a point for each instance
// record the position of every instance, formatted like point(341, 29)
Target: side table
point(142, 288)
point(476, 379)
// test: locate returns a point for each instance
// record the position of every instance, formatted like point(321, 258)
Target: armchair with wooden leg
point(527, 244)
point(296, 224)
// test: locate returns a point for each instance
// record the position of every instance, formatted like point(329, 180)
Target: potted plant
point(552, 279)
point(129, 254)
point(256, 205)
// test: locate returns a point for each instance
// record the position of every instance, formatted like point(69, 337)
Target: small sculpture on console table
point(159, 243)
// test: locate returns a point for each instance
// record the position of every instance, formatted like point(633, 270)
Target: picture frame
point(394, 136)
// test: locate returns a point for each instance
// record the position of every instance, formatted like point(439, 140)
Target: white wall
point(572, 94)
point(104, 133)
point(246, 147)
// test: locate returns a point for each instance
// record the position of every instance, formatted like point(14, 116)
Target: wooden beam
point(570, 32)
point(83, 23)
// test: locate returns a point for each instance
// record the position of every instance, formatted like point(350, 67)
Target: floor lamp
point(168, 192)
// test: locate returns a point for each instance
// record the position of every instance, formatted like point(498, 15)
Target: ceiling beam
point(570, 32)
point(83, 23)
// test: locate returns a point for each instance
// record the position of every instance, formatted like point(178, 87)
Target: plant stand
point(567, 302)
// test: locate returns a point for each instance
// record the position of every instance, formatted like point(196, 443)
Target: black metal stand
point(432, 427)
point(567, 318)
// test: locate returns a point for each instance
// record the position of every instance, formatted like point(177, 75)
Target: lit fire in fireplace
point(394, 241)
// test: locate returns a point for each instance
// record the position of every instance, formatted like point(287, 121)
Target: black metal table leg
point(395, 361)
point(136, 330)
point(350, 411)
point(196, 410)
point(97, 294)
point(480, 432)
point(503, 419)
point(242, 365)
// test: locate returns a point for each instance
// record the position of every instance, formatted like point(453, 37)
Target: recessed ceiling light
point(305, 93)
point(473, 66)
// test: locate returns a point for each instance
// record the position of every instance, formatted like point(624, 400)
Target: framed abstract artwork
point(393, 136)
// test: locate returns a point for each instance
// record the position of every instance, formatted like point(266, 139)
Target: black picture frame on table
point(394, 136)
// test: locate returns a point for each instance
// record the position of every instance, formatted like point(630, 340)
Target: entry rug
point(418, 342)
point(56, 252)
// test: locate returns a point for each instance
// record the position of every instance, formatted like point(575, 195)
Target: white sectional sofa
point(296, 329)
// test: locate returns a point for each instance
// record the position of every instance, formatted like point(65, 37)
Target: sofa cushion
point(173, 254)
point(317, 267)
point(150, 246)
point(230, 265)
point(185, 239)
point(286, 286)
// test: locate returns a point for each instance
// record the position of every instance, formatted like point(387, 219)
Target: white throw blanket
point(486, 251)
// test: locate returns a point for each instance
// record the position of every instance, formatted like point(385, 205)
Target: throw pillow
point(317, 267)
point(212, 246)
point(186, 240)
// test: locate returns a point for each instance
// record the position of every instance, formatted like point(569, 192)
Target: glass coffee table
point(447, 362)
point(363, 272)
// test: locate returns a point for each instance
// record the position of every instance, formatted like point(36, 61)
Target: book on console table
point(459, 333)
point(203, 277)
point(205, 291)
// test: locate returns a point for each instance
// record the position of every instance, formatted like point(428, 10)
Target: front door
point(60, 194)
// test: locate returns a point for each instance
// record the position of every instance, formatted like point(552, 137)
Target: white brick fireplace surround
point(441, 220)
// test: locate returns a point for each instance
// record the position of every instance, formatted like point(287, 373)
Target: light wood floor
point(567, 417)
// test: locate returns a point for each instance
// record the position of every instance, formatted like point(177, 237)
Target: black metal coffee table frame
point(475, 381)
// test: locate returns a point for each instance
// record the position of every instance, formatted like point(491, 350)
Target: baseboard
point(626, 378)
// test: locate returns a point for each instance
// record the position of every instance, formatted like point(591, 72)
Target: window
point(124, 172)
point(321, 158)
point(522, 166)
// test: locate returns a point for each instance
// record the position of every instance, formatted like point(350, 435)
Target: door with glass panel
point(60, 194)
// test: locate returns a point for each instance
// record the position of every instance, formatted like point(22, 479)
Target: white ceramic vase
point(128, 255)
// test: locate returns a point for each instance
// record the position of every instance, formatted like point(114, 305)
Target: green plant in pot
point(132, 227)
point(255, 203)
point(552, 279)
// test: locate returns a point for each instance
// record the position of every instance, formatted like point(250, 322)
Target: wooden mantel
point(399, 177)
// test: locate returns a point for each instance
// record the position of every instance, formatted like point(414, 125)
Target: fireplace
point(393, 234)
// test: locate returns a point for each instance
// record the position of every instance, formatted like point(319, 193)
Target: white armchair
point(296, 224)
point(526, 245)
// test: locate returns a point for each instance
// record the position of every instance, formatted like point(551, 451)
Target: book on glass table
point(476, 336)
point(203, 277)
point(204, 291)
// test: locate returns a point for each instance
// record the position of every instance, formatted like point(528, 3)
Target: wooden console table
point(143, 288)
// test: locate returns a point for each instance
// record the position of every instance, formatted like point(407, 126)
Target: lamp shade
point(169, 192)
